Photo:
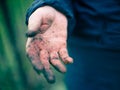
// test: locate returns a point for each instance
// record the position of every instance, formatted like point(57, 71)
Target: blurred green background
point(16, 72)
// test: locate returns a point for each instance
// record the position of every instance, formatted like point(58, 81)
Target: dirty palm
point(46, 44)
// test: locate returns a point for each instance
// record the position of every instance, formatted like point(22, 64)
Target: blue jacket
point(96, 21)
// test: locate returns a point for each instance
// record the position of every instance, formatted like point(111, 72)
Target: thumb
point(40, 21)
point(34, 24)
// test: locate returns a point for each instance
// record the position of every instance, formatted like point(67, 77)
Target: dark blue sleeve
point(64, 6)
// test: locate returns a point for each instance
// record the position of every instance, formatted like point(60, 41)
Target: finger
point(34, 24)
point(64, 56)
point(32, 54)
point(47, 72)
point(32, 33)
point(34, 21)
point(57, 64)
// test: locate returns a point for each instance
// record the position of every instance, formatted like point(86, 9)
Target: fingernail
point(68, 60)
point(51, 80)
point(49, 76)
point(31, 33)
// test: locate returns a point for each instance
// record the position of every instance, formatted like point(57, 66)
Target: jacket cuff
point(64, 6)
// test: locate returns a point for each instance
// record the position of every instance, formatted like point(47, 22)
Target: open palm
point(47, 41)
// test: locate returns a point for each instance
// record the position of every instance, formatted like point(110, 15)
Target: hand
point(46, 45)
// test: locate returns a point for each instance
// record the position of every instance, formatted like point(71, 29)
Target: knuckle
point(54, 56)
point(63, 51)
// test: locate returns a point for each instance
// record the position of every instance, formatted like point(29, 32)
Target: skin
point(46, 43)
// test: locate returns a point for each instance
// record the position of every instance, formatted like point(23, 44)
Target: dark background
point(16, 72)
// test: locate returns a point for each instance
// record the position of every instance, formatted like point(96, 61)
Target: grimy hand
point(46, 44)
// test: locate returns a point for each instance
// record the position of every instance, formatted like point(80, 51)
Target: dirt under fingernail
point(31, 33)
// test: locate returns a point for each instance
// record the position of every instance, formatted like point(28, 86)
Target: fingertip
point(65, 56)
point(68, 60)
point(64, 70)
point(31, 33)
point(58, 65)
point(51, 80)
point(48, 74)
point(61, 68)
